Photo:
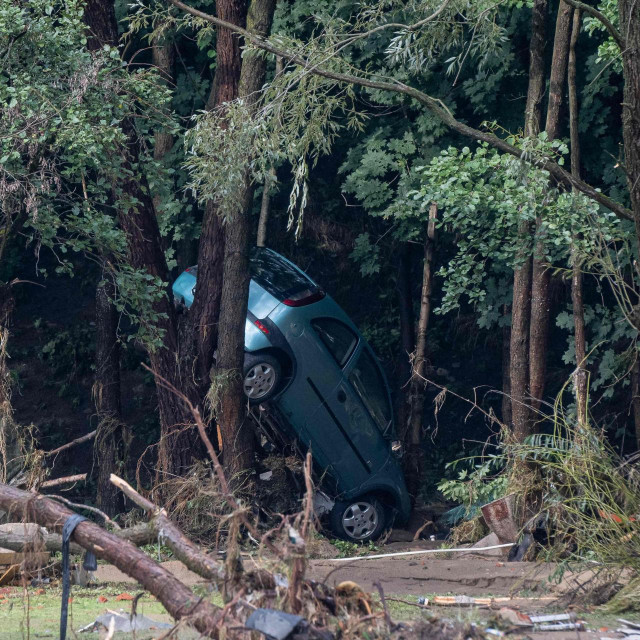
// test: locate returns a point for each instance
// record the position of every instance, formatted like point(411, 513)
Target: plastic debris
point(560, 626)
point(273, 624)
point(122, 621)
point(630, 630)
point(552, 622)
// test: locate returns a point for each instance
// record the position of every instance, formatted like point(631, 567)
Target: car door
point(339, 424)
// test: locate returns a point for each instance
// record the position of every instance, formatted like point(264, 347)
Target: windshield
point(369, 385)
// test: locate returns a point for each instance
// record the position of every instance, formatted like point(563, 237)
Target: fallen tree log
point(139, 535)
point(176, 597)
point(183, 548)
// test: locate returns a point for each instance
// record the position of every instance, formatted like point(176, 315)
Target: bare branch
point(435, 106)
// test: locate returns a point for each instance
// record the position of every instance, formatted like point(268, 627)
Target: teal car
point(305, 358)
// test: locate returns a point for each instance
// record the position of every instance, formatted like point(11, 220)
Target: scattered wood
point(138, 535)
point(56, 482)
point(183, 548)
point(176, 597)
point(75, 505)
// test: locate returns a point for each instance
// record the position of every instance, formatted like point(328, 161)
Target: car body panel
point(320, 402)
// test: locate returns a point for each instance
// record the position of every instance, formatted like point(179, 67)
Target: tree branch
point(435, 106)
point(598, 15)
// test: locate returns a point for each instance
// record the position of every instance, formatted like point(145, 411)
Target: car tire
point(261, 377)
point(358, 520)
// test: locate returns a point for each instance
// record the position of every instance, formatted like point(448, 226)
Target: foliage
point(63, 149)
point(486, 198)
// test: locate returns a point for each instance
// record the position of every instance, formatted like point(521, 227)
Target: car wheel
point(262, 376)
point(360, 520)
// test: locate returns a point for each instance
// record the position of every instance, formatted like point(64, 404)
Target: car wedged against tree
point(304, 356)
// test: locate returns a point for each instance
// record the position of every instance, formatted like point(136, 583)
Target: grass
point(37, 614)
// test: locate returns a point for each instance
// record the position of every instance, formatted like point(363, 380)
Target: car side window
point(337, 337)
point(369, 385)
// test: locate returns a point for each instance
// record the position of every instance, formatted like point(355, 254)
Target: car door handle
point(342, 396)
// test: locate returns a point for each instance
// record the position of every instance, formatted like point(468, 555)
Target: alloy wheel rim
point(360, 520)
point(259, 381)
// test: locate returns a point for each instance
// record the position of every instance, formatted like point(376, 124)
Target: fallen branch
point(183, 548)
point(56, 482)
point(176, 597)
point(73, 443)
point(76, 505)
point(138, 535)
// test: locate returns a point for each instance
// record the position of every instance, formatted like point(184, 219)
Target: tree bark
point(11, 453)
point(205, 310)
point(145, 249)
point(522, 276)
point(237, 432)
point(629, 13)
point(407, 337)
point(581, 375)
point(540, 301)
point(506, 378)
point(413, 459)
point(265, 206)
point(635, 400)
point(106, 395)
point(177, 598)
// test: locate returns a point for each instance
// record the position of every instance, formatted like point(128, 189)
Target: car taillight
point(307, 296)
point(261, 327)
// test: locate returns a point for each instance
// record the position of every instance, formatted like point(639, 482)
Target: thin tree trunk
point(237, 433)
point(635, 400)
point(629, 13)
point(506, 359)
point(265, 206)
point(521, 305)
point(407, 337)
point(413, 460)
point(106, 394)
point(11, 449)
point(581, 375)
point(540, 301)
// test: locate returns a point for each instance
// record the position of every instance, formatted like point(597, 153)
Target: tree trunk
point(506, 359)
point(177, 598)
point(106, 394)
point(540, 302)
point(144, 243)
point(163, 55)
point(413, 460)
point(205, 310)
point(629, 12)
point(265, 205)
point(581, 376)
point(521, 305)
point(237, 433)
point(635, 400)
point(11, 450)
point(407, 337)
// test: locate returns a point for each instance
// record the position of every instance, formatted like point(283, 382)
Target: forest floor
point(402, 578)
point(528, 586)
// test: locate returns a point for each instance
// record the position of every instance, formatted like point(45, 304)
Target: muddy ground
point(526, 584)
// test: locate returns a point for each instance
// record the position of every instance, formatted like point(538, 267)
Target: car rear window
point(337, 337)
point(369, 385)
point(277, 276)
